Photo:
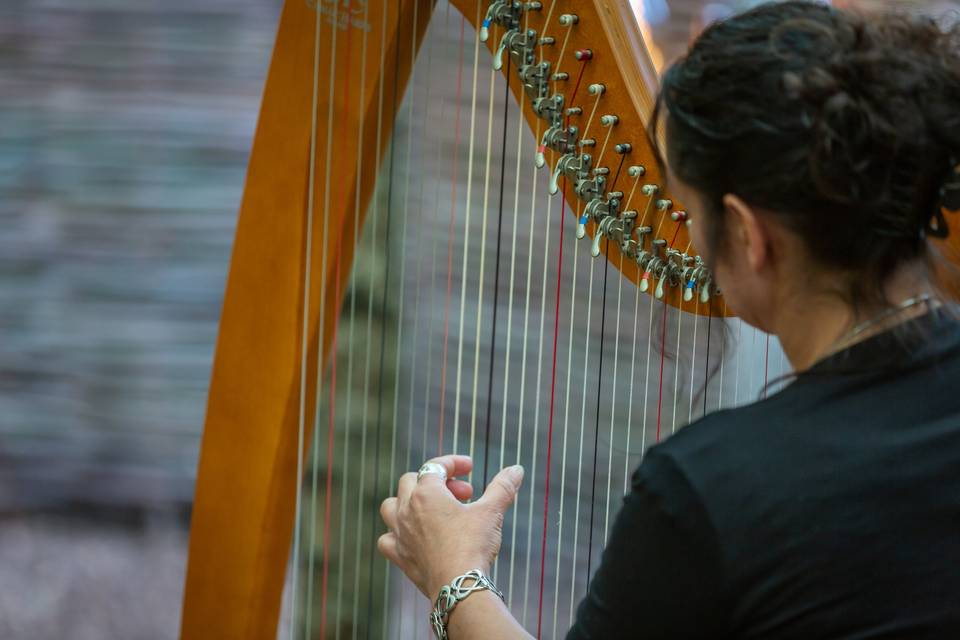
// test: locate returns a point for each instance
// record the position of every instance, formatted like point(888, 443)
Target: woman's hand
point(434, 537)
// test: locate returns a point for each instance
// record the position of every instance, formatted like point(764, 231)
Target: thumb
point(502, 490)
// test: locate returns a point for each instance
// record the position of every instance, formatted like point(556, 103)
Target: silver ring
point(432, 467)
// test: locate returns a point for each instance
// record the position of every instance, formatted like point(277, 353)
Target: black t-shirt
point(829, 510)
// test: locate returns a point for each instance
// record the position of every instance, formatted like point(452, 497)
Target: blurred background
point(125, 129)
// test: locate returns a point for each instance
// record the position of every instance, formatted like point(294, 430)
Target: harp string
point(407, 589)
point(613, 397)
point(693, 359)
point(368, 343)
point(482, 270)
point(566, 420)
point(766, 366)
point(583, 422)
point(388, 569)
point(663, 346)
point(304, 338)
point(676, 369)
point(372, 545)
point(539, 389)
point(512, 513)
point(736, 375)
point(496, 280)
point(325, 541)
point(453, 210)
point(596, 430)
point(633, 368)
point(522, 393)
point(553, 376)
point(466, 238)
point(351, 324)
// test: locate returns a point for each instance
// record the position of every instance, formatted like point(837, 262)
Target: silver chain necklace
point(848, 338)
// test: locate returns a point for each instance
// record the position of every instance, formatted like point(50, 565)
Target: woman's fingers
point(502, 490)
point(388, 511)
point(405, 487)
point(387, 546)
point(461, 490)
point(455, 465)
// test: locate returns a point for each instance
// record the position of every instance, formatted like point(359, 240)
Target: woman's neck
point(812, 326)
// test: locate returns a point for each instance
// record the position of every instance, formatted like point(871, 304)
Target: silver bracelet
point(451, 594)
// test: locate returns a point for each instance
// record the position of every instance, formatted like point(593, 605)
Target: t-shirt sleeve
point(661, 573)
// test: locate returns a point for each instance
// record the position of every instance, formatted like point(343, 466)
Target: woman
point(821, 150)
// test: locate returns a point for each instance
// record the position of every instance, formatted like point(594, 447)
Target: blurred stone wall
point(124, 134)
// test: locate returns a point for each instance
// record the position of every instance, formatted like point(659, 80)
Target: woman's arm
point(434, 537)
point(483, 616)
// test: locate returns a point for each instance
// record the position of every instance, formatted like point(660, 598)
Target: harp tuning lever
point(503, 12)
point(602, 229)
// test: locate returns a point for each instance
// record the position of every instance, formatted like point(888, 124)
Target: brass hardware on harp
point(535, 78)
point(520, 45)
point(571, 166)
point(559, 138)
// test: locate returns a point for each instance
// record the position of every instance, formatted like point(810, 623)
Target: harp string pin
point(561, 75)
point(664, 204)
point(596, 89)
point(679, 216)
point(623, 148)
point(609, 120)
point(583, 54)
point(569, 19)
point(547, 40)
point(636, 171)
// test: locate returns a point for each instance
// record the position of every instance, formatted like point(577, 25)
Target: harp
point(453, 236)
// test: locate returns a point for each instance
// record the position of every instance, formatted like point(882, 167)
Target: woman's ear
point(749, 235)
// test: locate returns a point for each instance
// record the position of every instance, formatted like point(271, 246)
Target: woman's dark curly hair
point(846, 126)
